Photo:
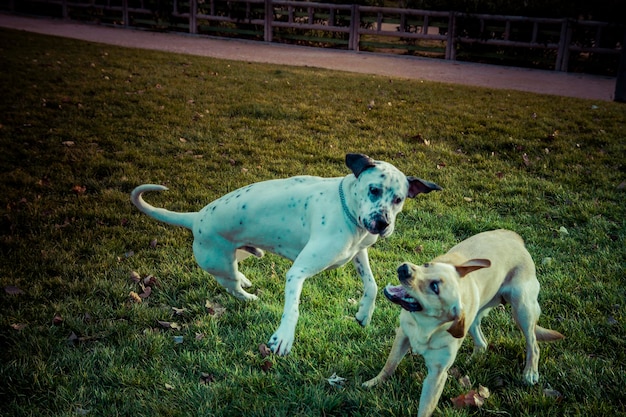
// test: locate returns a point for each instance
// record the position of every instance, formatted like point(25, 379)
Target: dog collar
point(342, 197)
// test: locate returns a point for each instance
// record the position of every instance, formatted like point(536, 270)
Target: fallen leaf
point(214, 309)
point(13, 290)
point(135, 277)
point(267, 365)
point(200, 336)
point(153, 243)
point(57, 319)
point(336, 381)
point(18, 326)
point(264, 350)
point(465, 382)
point(135, 297)
point(150, 281)
point(563, 231)
point(169, 325)
point(79, 189)
point(68, 143)
point(82, 411)
point(146, 293)
point(552, 393)
point(473, 398)
point(206, 378)
point(526, 159)
point(169, 387)
point(179, 311)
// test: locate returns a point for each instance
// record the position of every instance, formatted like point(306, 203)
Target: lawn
point(82, 124)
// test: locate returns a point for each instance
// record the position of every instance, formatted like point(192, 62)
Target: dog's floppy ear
point(358, 163)
point(420, 186)
point(457, 330)
point(471, 265)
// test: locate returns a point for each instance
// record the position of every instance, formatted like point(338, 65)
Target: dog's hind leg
point(526, 311)
point(222, 264)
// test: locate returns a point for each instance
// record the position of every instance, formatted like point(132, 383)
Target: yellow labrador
point(445, 299)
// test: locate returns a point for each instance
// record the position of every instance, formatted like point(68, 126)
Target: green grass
point(125, 112)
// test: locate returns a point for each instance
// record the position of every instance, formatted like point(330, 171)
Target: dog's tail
point(166, 216)
point(547, 335)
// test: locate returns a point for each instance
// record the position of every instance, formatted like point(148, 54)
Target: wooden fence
point(355, 27)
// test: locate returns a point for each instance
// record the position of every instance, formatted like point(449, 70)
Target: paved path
point(499, 77)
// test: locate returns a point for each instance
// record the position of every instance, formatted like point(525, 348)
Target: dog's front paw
point(364, 315)
point(281, 342)
point(531, 376)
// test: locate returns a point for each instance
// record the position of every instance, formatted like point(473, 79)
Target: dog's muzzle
point(398, 295)
point(379, 225)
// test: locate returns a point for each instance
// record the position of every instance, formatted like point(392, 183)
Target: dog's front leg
point(303, 267)
point(400, 347)
point(438, 362)
point(368, 300)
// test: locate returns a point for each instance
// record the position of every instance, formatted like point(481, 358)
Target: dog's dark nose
point(404, 272)
point(381, 223)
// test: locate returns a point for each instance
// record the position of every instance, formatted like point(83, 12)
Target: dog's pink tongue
point(396, 291)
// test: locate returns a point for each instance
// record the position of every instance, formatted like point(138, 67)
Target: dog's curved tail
point(547, 335)
point(166, 216)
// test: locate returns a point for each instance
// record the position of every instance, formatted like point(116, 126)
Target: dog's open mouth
point(398, 295)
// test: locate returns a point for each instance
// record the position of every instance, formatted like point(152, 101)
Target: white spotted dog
point(447, 298)
point(318, 223)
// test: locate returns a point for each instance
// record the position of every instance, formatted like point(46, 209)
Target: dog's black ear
point(472, 265)
point(420, 186)
point(358, 163)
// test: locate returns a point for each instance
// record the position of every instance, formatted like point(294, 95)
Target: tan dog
point(442, 303)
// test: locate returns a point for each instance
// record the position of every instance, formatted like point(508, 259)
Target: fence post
point(563, 46)
point(451, 41)
point(355, 25)
point(269, 18)
point(620, 83)
point(125, 17)
point(193, 20)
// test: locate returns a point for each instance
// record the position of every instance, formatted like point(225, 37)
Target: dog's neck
point(344, 206)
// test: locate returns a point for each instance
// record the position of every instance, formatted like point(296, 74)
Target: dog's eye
point(397, 200)
point(375, 192)
point(434, 286)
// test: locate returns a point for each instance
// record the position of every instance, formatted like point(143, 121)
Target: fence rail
point(355, 26)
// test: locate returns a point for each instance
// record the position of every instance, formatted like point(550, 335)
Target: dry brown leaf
point(146, 293)
point(465, 382)
point(79, 189)
point(57, 319)
point(135, 297)
point(214, 309)
point(13, 290)
point(267, 365)
point(473, 398)
point(18, 326)
point(264, 350)
point(206, 378)
point(135, 277)
point(179, 311)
